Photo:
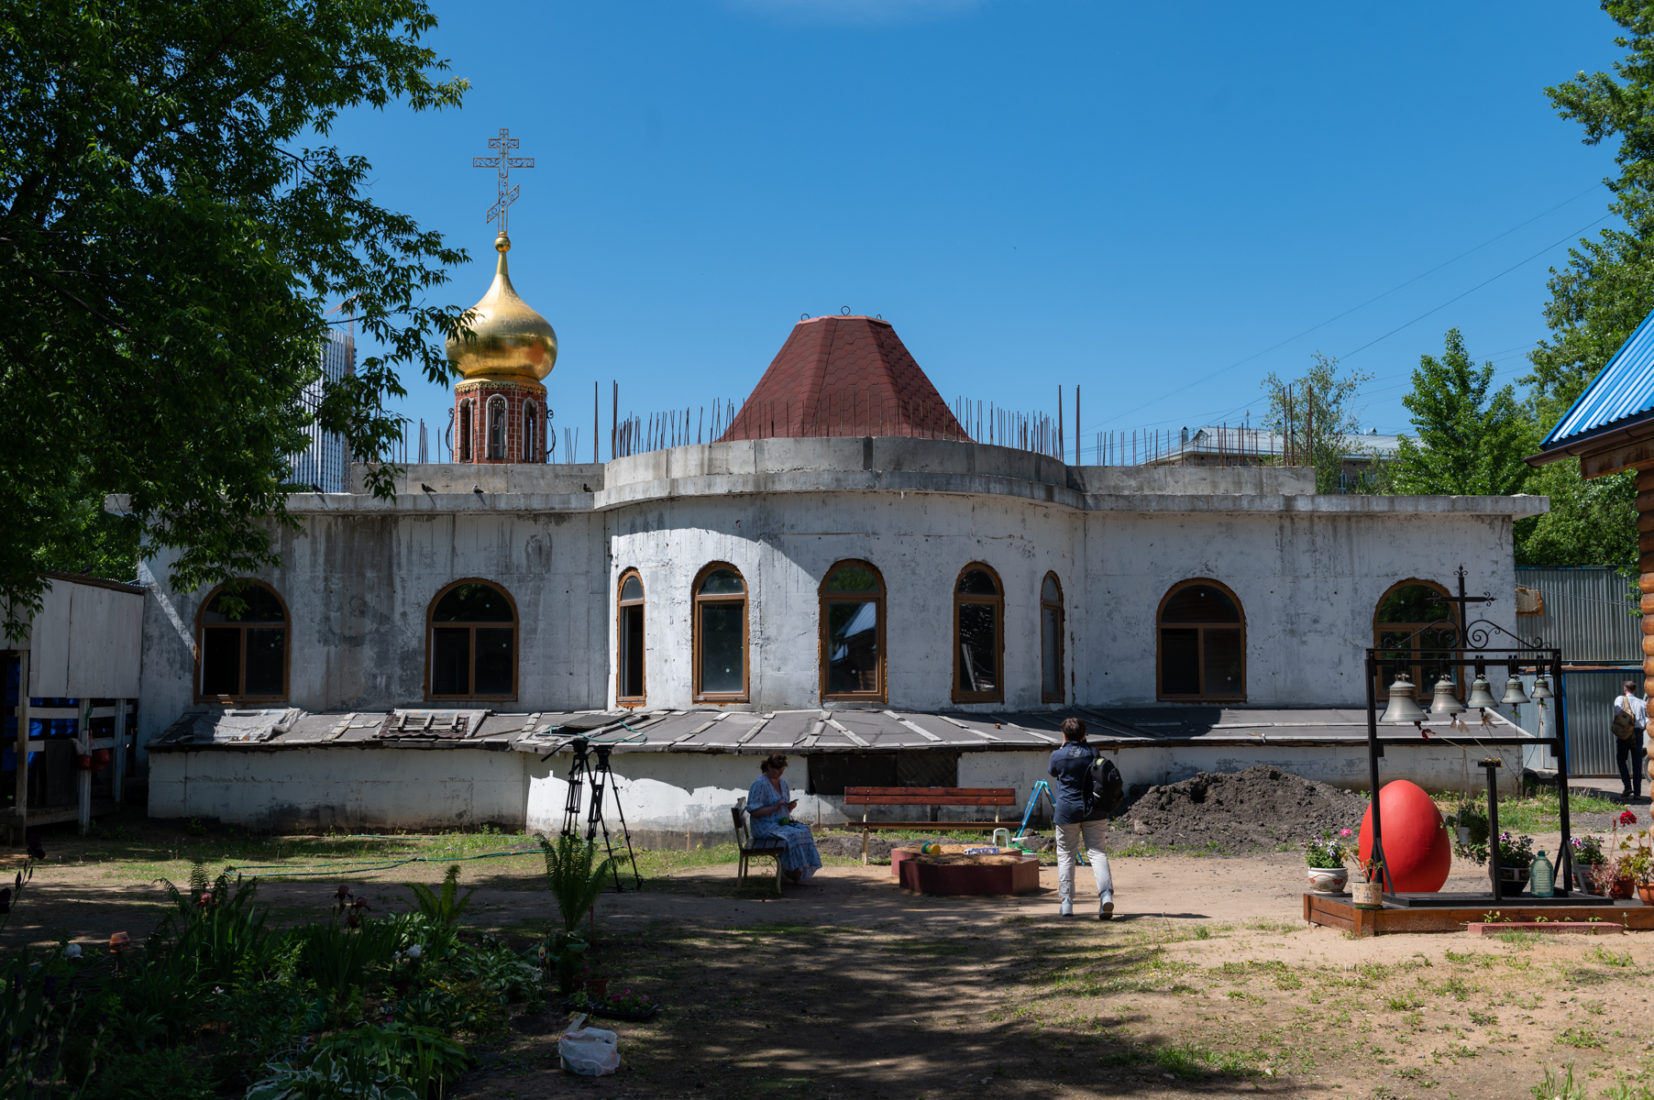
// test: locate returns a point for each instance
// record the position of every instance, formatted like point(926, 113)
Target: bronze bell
point(1445, 702)
point(1514, 695)
point(1542, 688)
point(1481, 694)
point(1401, 711)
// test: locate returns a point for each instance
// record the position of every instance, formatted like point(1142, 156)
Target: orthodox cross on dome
point(505, 162)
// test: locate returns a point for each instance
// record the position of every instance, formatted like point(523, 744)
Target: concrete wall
point(358, 590)
point(784, 546)
point(342, 787)
point(670, 800)
point(360, 574)
point(1308, 585)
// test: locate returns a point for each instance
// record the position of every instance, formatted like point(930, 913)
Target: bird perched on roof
point(31, 840)
point(426, 488)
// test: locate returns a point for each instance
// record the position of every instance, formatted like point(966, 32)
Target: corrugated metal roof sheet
point(840, 729)
point(1589, 614)
point(1623, 391)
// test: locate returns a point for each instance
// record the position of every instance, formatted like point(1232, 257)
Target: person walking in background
point(1078, 820)
point(1628, 743)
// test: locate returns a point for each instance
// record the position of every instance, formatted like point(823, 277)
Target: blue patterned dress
point(801, 854)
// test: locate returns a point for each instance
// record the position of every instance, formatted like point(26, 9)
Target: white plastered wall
point(784, 545)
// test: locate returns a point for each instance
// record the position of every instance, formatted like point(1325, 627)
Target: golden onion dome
point(508, 341)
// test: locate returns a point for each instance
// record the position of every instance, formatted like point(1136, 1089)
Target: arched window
point(1050, 640)
point(496, 427)
point(472, 650)
point(241, 644)
point(978, 636)
point(852, 632)
point(466, 412)
point(720, 635)
point(629, 640)
point(1412, 616)
point(531, 431)
point(1202, 643)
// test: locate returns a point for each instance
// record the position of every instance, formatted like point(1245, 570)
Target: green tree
point(1471, 440)
point(1314, 418)
point(1608, 286)
point(1590, 522)
point(173, 226)
point(1596, 302)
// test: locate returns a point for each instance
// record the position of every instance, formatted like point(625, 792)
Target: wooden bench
point(749, 851)
point(997, 797)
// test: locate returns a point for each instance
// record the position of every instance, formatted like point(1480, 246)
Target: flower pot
point(1367, 895)
point(1620, 886)
point(1588, 878)
point(1464, 834)
point(1645, 891)
point(1512, 881)
point(1328, 880)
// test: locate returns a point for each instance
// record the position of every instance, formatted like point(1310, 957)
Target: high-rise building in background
point(324, 464)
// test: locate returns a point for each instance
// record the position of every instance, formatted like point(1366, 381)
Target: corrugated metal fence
point(1591, 615)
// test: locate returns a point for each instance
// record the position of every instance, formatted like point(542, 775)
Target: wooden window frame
point(1413, 667)
point(1200, 645)
point(997, 602)
point(471, 671)
point(201, 628)
point(824, 599)
point(493, 425)
point(699, 601)
point(622, 605)
point(1045, 605)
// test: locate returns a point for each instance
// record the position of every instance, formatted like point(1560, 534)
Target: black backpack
point(1105, 789)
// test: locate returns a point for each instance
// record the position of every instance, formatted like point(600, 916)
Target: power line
point(1474, 289)
point(1399, 286)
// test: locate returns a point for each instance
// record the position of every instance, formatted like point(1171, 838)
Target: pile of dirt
point(1259, 808)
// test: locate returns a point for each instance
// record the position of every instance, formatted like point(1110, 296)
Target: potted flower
point(1637, 864)
point(1470, 828)
point(629, 1004)
point(1369, 892)
point(1618, 877)
point(1325, 856)
point(1515, 863)
point(1590, 864)
point(1469, 824)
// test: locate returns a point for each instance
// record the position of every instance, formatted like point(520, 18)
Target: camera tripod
point(582, 770)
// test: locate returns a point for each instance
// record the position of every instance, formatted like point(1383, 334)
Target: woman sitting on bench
point(770, 805)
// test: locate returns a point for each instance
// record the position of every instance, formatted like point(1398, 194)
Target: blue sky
point(1161, 203)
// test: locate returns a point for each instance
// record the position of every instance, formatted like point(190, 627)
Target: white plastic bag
point(588, 1051)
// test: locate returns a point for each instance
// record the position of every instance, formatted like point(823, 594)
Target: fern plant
point(575, 876)
point(442, 908)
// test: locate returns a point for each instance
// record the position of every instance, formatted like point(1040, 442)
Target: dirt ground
point(1208, 983)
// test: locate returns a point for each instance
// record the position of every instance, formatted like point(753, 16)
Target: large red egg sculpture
point(1417, 853)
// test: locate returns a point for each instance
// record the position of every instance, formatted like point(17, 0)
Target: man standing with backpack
point(1081, 816)
point(1628, 725)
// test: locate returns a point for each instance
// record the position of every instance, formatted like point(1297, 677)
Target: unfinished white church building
point(844, 575)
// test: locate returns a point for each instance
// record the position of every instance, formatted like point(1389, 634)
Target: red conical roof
point(839, 375)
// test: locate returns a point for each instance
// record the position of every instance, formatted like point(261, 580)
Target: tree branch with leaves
point(173, 228)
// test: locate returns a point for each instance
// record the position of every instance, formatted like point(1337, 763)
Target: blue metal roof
point(1622, 392)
